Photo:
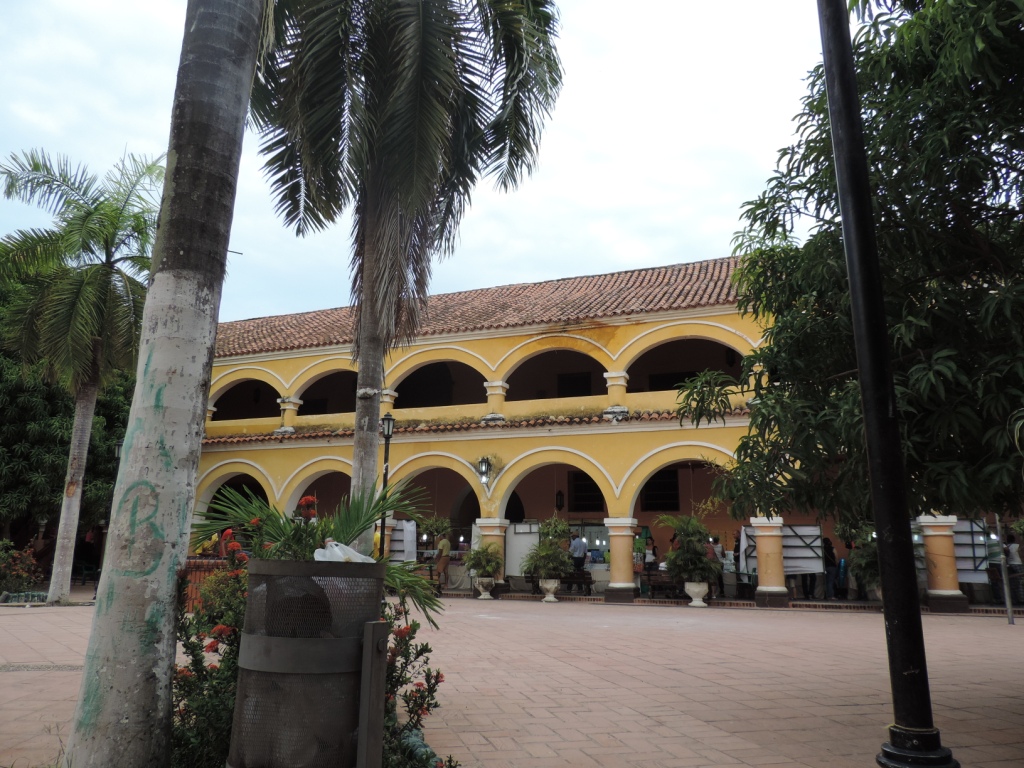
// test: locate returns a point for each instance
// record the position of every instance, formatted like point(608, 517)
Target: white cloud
point(671, 117)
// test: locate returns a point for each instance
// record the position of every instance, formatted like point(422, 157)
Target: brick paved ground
point(582, 684)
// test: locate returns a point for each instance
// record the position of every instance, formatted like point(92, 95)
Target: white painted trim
point(213, 384)
point(430, 350)
point(215, 467)
point(546, 337)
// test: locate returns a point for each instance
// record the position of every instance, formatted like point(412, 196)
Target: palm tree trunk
point(369, 381)
point(71, 503)
point(123, 716)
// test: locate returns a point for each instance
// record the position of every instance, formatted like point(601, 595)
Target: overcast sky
point(670, 118)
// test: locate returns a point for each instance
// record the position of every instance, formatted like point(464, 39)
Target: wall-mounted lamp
point(559, 501)
point(483, 468)
point(117, 449)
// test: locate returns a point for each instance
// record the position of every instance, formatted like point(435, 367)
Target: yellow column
point(496, 391)
point(387, 400)
point(389, 529)
point(621, 586)
point(943, 595)
point(289, 411)
point(616, 382)
point(492, 531)
point(771, 575)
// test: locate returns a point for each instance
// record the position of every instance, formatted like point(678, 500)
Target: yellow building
point(567, 387)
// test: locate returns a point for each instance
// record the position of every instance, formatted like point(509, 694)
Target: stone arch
point(673, 453)
point(666, 365)
point(218, 474)
point(504, 485)
point(399, 369)
point(684, 329)
point(440, 383)
point(331, 391)
point(515, 357)
point(295, 486)
point(247, 399)
point(245, 373)
point(422, 462)
point(556, 373)
point(323, 366)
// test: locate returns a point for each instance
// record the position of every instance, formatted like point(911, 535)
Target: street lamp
point(387, 429)
point(913, 738)
point(117, 450)
point(483, 468)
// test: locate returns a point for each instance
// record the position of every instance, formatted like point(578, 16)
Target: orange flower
point(211, 646)
point(234, 546)
point(242, 558)
point(222, 630)
point(402, 632)
point(255, 522)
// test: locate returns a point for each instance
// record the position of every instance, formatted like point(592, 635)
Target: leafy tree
point(943, 113)
point(76, 302)
point(395, 110)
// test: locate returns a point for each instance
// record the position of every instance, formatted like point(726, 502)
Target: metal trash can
point(297, 704)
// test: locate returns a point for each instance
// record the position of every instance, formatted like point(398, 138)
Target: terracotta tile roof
point(460, 426)
point(573, 299)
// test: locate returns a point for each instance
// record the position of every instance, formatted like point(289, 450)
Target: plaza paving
point(583, 684)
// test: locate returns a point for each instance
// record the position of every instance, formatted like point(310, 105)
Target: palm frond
point(28, 252)
point(51, 184)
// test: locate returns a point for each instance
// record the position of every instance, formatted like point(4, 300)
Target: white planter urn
point(484, 585)
point(696, 590)
point(549, 587)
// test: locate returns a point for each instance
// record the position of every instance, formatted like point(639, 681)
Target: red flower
point(242, 558)
point(255, 522)
point(402, 632)
point(222, 631)
point(226, 535)
point(211, 646)
point(440, 677)
point(234, 546)
point(185, 672)
point(213, 667)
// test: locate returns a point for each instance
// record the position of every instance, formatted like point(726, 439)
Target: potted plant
point(435, 527)
point(485, 562)
point(548, 560)
point(688, 561)
point(300, 605)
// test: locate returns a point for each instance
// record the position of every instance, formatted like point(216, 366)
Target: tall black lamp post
point(913, 738)
point(387, 429)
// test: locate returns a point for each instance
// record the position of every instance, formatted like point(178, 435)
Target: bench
point(656, 580)
point(582, 579)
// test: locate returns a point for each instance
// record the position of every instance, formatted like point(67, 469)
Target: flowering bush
point(18, 569)
point(203, 689)
point(411, 682)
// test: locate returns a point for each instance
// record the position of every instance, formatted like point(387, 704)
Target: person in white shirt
point(1016, 569)
point(578, 553)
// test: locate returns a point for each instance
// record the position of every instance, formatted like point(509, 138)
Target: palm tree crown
point(79, 296)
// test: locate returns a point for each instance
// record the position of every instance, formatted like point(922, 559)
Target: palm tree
point(123, 715)
point(78, 295)
point(395, 109)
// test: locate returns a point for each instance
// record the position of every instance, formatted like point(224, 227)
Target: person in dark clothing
point(828, 556)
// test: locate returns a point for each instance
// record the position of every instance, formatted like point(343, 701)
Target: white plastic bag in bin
point(334, 552)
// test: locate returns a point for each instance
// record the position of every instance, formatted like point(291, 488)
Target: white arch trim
point(452, 456)
point(252, 464)
point(232, 371)
point(433, 350)
point(321, 361)
point(632, 343)
point(523, 456)
point(535, 339)
point(680, 444)
point(298, 470)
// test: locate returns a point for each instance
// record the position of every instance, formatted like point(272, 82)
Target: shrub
point(18, 569)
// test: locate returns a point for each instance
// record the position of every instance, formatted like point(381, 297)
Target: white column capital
point(613, 378)
point(936, 525)
point(620, 526)
point(289, 403)
point(767, 526)
point(492, 526)
point(388, 397)
point(210, 410)
point(496, 387)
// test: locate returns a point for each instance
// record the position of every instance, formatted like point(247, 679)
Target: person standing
point(1016, 569)
point(828, 556)
point(719, 550)
point(442, 558)
point(578, 553)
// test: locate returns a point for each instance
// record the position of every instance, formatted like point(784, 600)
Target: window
point(584, 495)
point(661, 492)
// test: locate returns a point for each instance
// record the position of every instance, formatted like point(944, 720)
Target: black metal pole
point(913, 738)
point(384, 489)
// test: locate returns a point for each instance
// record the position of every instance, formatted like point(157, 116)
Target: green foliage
point(942, 113)
point(18, 569)
point(435, 527)
point(486, 561)
point(410, 695)
point(260, 528)
point(688, 560)
point(203, 689)
point(548, 558)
